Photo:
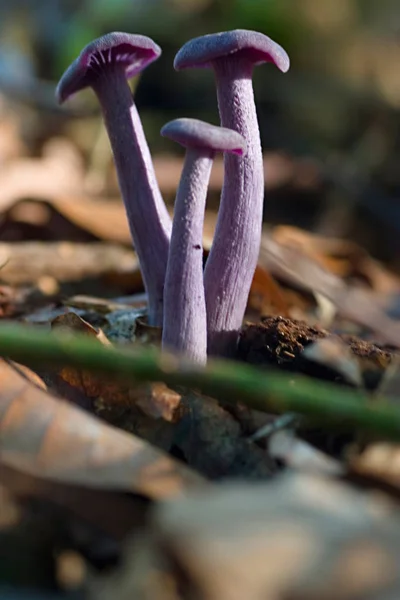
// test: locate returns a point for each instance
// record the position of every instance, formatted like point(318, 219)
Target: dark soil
point(280, 342)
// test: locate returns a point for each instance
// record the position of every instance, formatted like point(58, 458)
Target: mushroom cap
point(259, 48)
point(135, 52)
point(193, 133)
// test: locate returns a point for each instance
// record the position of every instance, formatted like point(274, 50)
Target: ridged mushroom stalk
point(185, 321)
point(105, 65)
point(234, 253)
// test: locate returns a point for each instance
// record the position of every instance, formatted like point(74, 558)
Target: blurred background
point(330, 127)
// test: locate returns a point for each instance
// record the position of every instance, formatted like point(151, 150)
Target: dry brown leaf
point(342, 257)
point(73, 323)
point(266, 293)
point(355, 303)
point(50, 438)
point(30, 375)
point(28, 262)
point(279, 170)
point(158, 401)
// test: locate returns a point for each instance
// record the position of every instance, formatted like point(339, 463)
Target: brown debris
point(281, 342)
point(27, 262)
point(154, 399)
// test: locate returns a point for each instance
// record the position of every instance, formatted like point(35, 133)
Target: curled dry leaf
point(266, 295)
point(28, 262)
point(106, 218)
point(355, 303)
point(342, 257)
point(159, 401)
point(49, 438)
point(73, 323)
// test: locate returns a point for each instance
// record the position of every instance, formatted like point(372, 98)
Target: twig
point(264, 390)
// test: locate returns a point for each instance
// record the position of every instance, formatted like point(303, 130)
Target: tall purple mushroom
point(185, 322)
point(105, 65)
point(233, 257)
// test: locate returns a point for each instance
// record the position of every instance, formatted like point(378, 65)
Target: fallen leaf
point(356, 303)
point(49, 438)
point(342, 257)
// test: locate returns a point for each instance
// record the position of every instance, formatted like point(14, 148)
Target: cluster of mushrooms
point(199, 310)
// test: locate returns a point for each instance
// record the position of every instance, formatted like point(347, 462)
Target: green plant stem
point(265, 390)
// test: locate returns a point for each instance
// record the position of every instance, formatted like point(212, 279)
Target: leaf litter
point(91, 461)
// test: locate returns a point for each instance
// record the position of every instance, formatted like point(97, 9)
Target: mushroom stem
point(149, 221)
point(184, 302)
point(233, 257)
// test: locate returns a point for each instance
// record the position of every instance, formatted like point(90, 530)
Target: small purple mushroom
point(185, 322)
point(105, 65)
point(233, 257)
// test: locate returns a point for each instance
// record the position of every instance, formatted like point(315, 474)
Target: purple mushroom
point(105, 65)
point(233, 257)
point(185, 322)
